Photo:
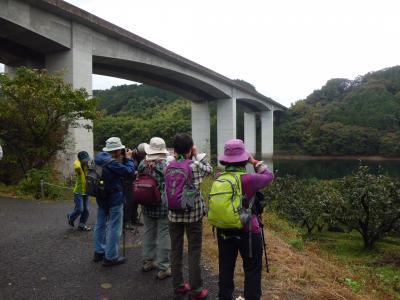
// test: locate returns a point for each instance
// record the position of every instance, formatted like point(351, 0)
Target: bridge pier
point(201, 126)
point(226, 122)
point(267, 133)
point(250, 131)
point(76, 65)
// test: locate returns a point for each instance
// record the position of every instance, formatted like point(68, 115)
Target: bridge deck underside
point(18, 44)
point(189, 87)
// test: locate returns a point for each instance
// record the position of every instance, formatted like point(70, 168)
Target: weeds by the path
point(302, 269)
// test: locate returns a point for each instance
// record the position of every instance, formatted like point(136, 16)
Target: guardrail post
point(42, 188)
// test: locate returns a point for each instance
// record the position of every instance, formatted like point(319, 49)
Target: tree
point(36, 110)
point(245, 84)
point(369, 204)
point(306, 202)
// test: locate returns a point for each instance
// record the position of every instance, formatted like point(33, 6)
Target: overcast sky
point(286, 48)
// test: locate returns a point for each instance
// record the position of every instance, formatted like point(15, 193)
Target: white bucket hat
point(157, 146)
point(141, 148)
point(112, 144)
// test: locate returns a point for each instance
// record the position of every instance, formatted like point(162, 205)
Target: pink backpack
point(145, 190)
point(179, 189)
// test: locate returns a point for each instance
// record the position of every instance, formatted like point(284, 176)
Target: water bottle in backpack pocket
point(179, 189)
point(225, 204)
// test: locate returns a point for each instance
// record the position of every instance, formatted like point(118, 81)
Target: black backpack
point(259, 203)
point(95, 185)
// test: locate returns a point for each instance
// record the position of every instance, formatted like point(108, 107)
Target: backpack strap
point(187, 163)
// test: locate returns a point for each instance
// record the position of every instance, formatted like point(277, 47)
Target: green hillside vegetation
point(345, 117)
point(138, 112)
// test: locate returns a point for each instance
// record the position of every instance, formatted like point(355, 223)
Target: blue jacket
point(113, 175)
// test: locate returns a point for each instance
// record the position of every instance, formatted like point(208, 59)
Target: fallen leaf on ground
point(106, 285)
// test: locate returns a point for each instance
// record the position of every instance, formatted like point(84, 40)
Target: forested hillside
point(345, 117)
point(138, 112)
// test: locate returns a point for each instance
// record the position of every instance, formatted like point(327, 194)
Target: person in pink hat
point(234, 241)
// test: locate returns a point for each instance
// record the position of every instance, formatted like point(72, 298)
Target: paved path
point(41, 257)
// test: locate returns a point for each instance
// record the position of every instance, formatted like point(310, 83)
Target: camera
point(134, 151)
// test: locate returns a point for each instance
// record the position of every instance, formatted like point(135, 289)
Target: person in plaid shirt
point(156, 240)
point(189, 221)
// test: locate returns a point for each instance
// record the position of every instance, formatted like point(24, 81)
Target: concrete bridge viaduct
point(55, 35)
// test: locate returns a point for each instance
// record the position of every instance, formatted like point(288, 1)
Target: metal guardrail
point(43, 183)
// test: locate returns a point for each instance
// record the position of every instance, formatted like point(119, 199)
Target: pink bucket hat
point(234, 151)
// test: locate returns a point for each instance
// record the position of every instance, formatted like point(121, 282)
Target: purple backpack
point(179, 189)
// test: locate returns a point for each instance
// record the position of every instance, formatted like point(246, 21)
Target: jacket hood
point(102, 157)
point(77, 164)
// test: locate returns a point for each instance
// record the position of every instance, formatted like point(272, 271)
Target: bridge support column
point(77, 67)
point(226, 122)
point(9, 70)
point(201, 126)
point(250, 132)
point(267, 133)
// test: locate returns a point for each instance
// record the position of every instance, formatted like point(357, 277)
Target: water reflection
point(331, 169)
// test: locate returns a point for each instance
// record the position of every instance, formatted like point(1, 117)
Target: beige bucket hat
point(156, 149)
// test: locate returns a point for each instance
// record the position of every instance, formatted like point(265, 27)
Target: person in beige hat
point(156, 150)
point(156, 240)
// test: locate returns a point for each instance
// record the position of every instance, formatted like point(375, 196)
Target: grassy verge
point(332, 266)
point(58, 193)
point(8, 190)
point(377, 271)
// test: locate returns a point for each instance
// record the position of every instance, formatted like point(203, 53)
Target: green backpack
point(225, 210)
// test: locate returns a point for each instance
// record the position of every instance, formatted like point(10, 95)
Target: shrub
point(30, 185)
point(36, 110)
point(369, 204)
point(305, 202)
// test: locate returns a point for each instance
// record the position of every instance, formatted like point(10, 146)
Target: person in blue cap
point(80, 197)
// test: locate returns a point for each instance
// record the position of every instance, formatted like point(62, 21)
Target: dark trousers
point(130, 206)
point(130, 211)
point(194, 237)
point(228, 248)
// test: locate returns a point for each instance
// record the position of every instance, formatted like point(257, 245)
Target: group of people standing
point(164, 225)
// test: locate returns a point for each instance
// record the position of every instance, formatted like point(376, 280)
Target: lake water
point(331, 169)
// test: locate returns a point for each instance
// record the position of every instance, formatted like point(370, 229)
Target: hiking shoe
point(84, 228)
point(182, 289)
point(148, 265)
point(70, 222)
point(98, 256)
point(162, 274)
point(115, 262)
point(203, 294)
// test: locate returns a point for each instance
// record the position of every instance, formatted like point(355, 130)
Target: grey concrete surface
point(59, 36)
point(41, 257)
point(226, 122)
point(250, 131)
point(201, 126)
point(267, 133)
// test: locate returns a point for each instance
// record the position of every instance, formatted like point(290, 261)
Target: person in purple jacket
point(230, 242)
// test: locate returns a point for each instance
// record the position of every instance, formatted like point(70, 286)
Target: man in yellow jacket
point(80, 198)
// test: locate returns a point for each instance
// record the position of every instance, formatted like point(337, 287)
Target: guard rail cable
point(43, 183)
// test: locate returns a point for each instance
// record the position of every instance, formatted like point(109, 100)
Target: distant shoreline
point(344, 157)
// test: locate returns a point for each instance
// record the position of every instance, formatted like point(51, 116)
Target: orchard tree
point(36, 110)
point(369, 204)
point(306, 202)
